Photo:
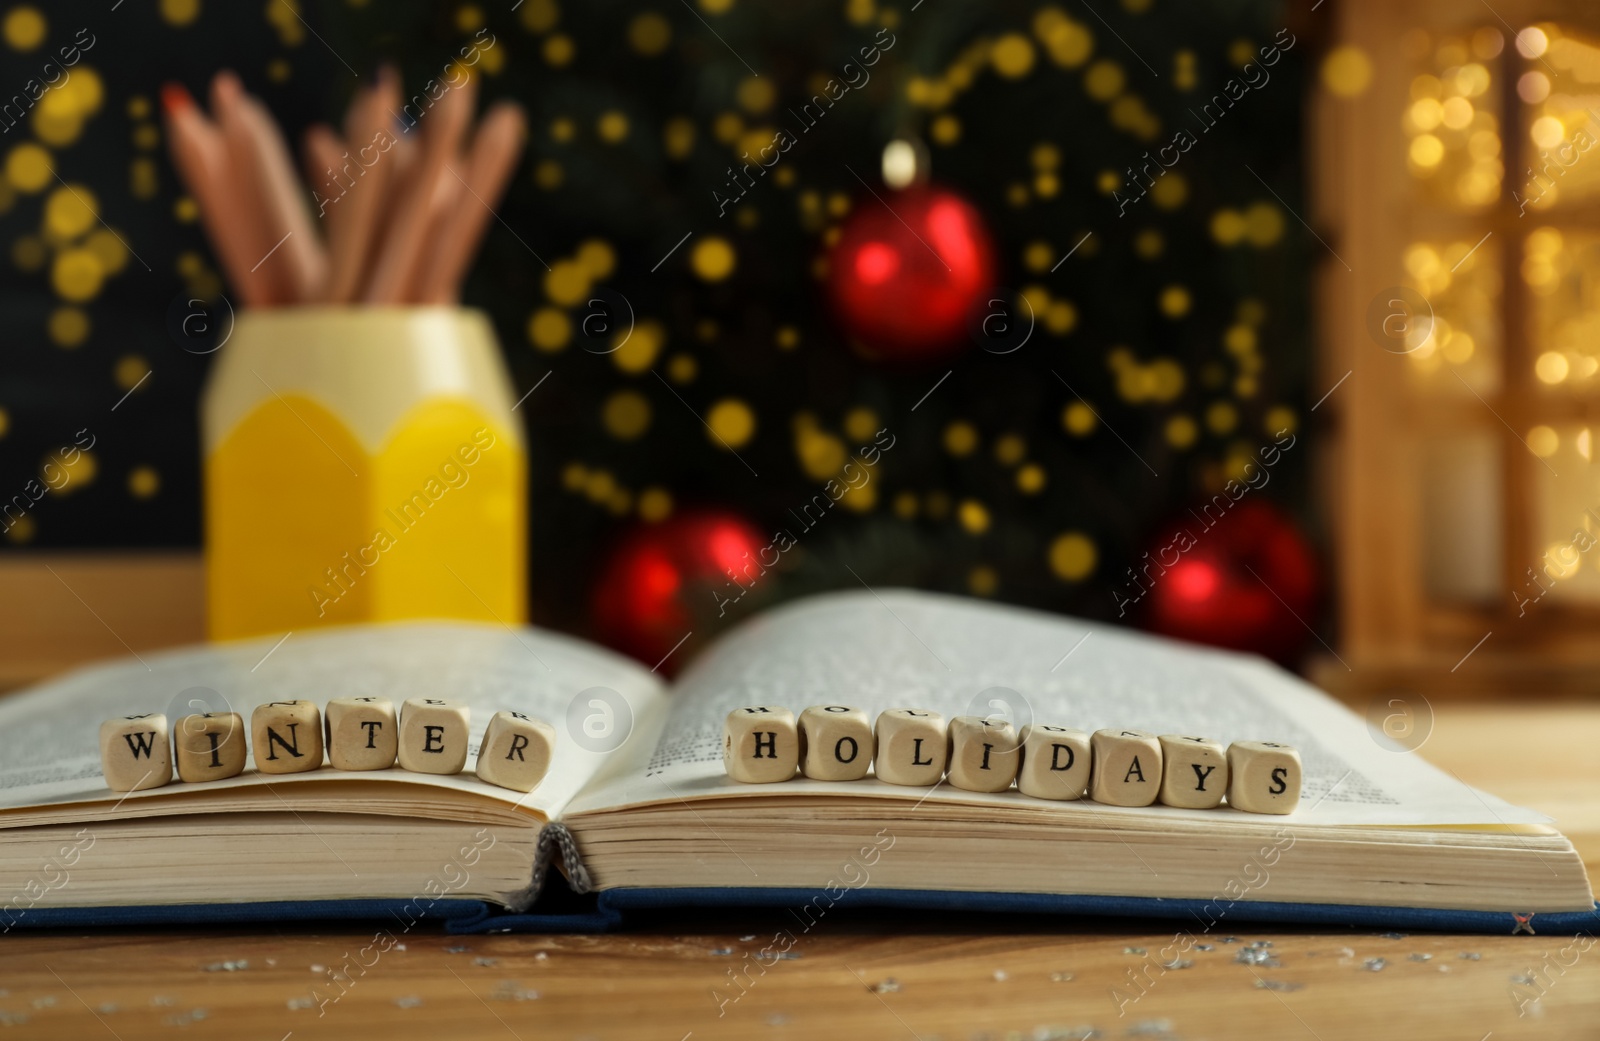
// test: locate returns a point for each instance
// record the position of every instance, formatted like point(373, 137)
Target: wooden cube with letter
point(1127, 767)
point(210, 746)
point(984, 754)
point(516, 751)
point(286, 737)
point(135, 753)
point(1055, 762)
point(836, 742)
point(362, 733)
point(760, 744)
point(433, 735)
point(912, 746)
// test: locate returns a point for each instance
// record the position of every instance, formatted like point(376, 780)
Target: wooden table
point(866, 975)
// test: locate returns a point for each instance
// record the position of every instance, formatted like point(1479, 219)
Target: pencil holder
point(361, 464)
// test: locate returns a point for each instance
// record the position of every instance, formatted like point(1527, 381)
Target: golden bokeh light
point(973, 516)
point(1426, 151)
point(712, 259)
point(860, 424)
point(732, 423)
point(1012, 55)
point(649, 33)
point(654, 504)
point(549, 329)
point(1072, 556)
point(29, 167)
point(1551, 367)
point(636, 350)
point(1104, 80)
point(566, 283)
point(77, 274)
point(1181, 432)
point(24, 28)
point(1346, 71)
point(626, 414)
point(960, 438)
point(1543, 441)
point(68, 327)
point(1532, 42)
point(144, 482)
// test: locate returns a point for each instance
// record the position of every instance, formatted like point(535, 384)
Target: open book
point(637, 807)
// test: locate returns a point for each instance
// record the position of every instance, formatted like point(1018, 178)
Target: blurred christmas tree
point(1166, 348)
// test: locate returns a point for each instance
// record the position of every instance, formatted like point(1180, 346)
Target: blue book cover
point(798, 913)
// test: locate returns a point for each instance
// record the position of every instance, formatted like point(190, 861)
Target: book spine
point(555, 841)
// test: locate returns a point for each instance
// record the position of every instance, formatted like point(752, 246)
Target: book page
point(591, 696)
point(897, 648)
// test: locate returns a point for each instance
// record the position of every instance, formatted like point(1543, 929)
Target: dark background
point(638, 199)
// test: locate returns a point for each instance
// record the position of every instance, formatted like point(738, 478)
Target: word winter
point(764, 744)
point(427, 735)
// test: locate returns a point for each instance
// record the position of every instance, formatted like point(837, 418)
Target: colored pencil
point(201, 157)
point(401, 210)
point(242, 187)
point(444, 125)
point(303, 263)
point(495, 150)
point(371, 145)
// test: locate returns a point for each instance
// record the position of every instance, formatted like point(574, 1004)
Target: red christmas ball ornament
point(1242, 579)
point(657, 584)
point(909, 269)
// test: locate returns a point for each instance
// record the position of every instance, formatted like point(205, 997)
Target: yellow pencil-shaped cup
point(361, 464)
